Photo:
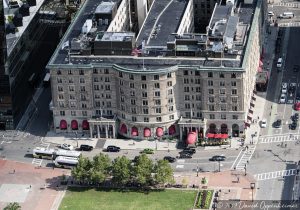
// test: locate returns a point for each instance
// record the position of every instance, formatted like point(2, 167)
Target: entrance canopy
point(159, 132)
point(210, 135)
point(85, 125)
point(63, 125)
point(172, 130)
point(134, 131)
point(191, 138)
point(147, 132)
point(74, 125)
point(123, 129)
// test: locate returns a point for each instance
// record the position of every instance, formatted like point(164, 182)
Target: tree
point(101, 168)
point(143, 170)
point(163, 172)
point(13, 206)
point(121, 170)
point(82, 172)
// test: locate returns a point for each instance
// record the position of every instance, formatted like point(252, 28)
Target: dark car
point(298, 96)
point(277, 123)
point(85, 147)
point(170, 159)
point(185, 156)
point(296, 68)
point(294, 125)
point(113, 149)
point(295, 117)
point(217, 158)
point(189, 150)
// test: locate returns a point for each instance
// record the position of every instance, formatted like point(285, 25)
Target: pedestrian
point(238, 179)
point(257, 117)
point(285, 145)
point(30, 186)
point(14, 171)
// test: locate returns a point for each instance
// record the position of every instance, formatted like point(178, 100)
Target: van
point(286, 15)
point(279, 63)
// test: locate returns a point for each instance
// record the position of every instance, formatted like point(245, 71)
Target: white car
point(282, 99)
point(284, 89)
point(263, 123)
point(271, 13)
point(66, 146)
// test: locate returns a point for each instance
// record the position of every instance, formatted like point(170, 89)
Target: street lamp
point(197, 169)
point(245, 169)
point(252, 186)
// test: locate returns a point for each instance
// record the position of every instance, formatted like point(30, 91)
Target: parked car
point(185, 156)
point(284, 88)
point(271, 13)
point(296, 68)
point(85, 147)
point(295, 117)
point(170, 159)
point(66, 146)
point(147, 151)
point(279, 63)
point(113, 149)
point(286, 15)
point(282, 99)
point(294, 125)
point(189, 150)
point(277, 123)
point(263, 123)
point(217, 158)
point(292, 88)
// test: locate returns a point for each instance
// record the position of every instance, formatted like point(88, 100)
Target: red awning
point(85, 125)
point(191, 138)
point(261, 63)
point(259, 69)
point(159, 132)
point(210, 135)
point(134, 131)
point(147, 132)
point(224, 136)
point(172, 130)
point(123, 129)
point(218, 136)
point(74, 125)
point(63, 125)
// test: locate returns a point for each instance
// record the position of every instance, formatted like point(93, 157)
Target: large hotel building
point(139, 69)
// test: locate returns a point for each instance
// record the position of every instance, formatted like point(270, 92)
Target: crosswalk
point(283, 4)
point(180, 161)
point(246, 156)
point(275, 174)
point(37, 162)
point(289, 24)
point(278, 138)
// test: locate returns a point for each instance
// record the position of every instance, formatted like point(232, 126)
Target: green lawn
point(87, 199)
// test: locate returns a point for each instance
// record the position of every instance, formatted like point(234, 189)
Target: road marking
point(278, 138)
point(236, 159)
point(180, 161)
point(274, 174)
point(37, 162)
point(206, 163)
point(179, 166)
point(246, 157)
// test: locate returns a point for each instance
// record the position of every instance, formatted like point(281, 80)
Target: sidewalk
point(234, 185)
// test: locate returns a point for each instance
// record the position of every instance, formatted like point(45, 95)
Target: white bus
point(65, 162)
point(41, 152)
point(46, 80)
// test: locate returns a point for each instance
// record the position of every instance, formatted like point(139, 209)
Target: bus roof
point(47, 77)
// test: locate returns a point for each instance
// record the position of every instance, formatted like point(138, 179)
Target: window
point(211, 99)
point(108, 96)
point(210, 83)
point(107, 87)
point(122, 99)
point(198, 97)
point(187, 97)
point(199, 115)
point(171, 117)
point(146, 119)
point(122, 107)
point(98, 112)
point(157, 93)
point(188, 114)
point(61, 104)
point(223, 107)
point(156, 85)
point(81, 72)
point(108, 104)
point(233, 75)
point(81, 80)
point(58, 72)
point(197, 73)
point(145, 111)
point(73, 113)
point(71, 80)
point(120, 74)
point(97, 103)
point(106, 79)
point(59, 80)
point(157, 102)
point(211, 107)
point(197, 81)
point(222, 91)
point(145, 103)
point(235, 117)
point(83, 105)
point(198, 89)
point(132, 93)
point(170, 92)
point(233, 83)
point(186, 89)
point(72, 97)
point(95, 71)
point(131, 76)
point(72, 104)
point(83, 97)
point(223, 116)
point(186, 81)
point(171, 108)
point(234, 99)
point(223, 99)
point(210, 74)
point(132, 101)
point(143, 77)
point(84, 113)
point(123, 115)
point(156, 77)
point(158, 119)
point(131, 85)
point(133, 110)
point(158, 110)
point(170, 100)
point(144, 86)
point(234, 108)
point(62, 113)
point(169, 83)
point(121, 82)
point(106, 71)
point(82, 88)
point(185, 72)
point(211, 91)
point(169, 75)
point(234, 91)
point(187, 106)
point(96, 87)
point(222, 83)
point(144, 94)
point(70, 72)
point(60, 88)
point(96, 79)
point(222, 75)
point(211, 116)
point(133, 118)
